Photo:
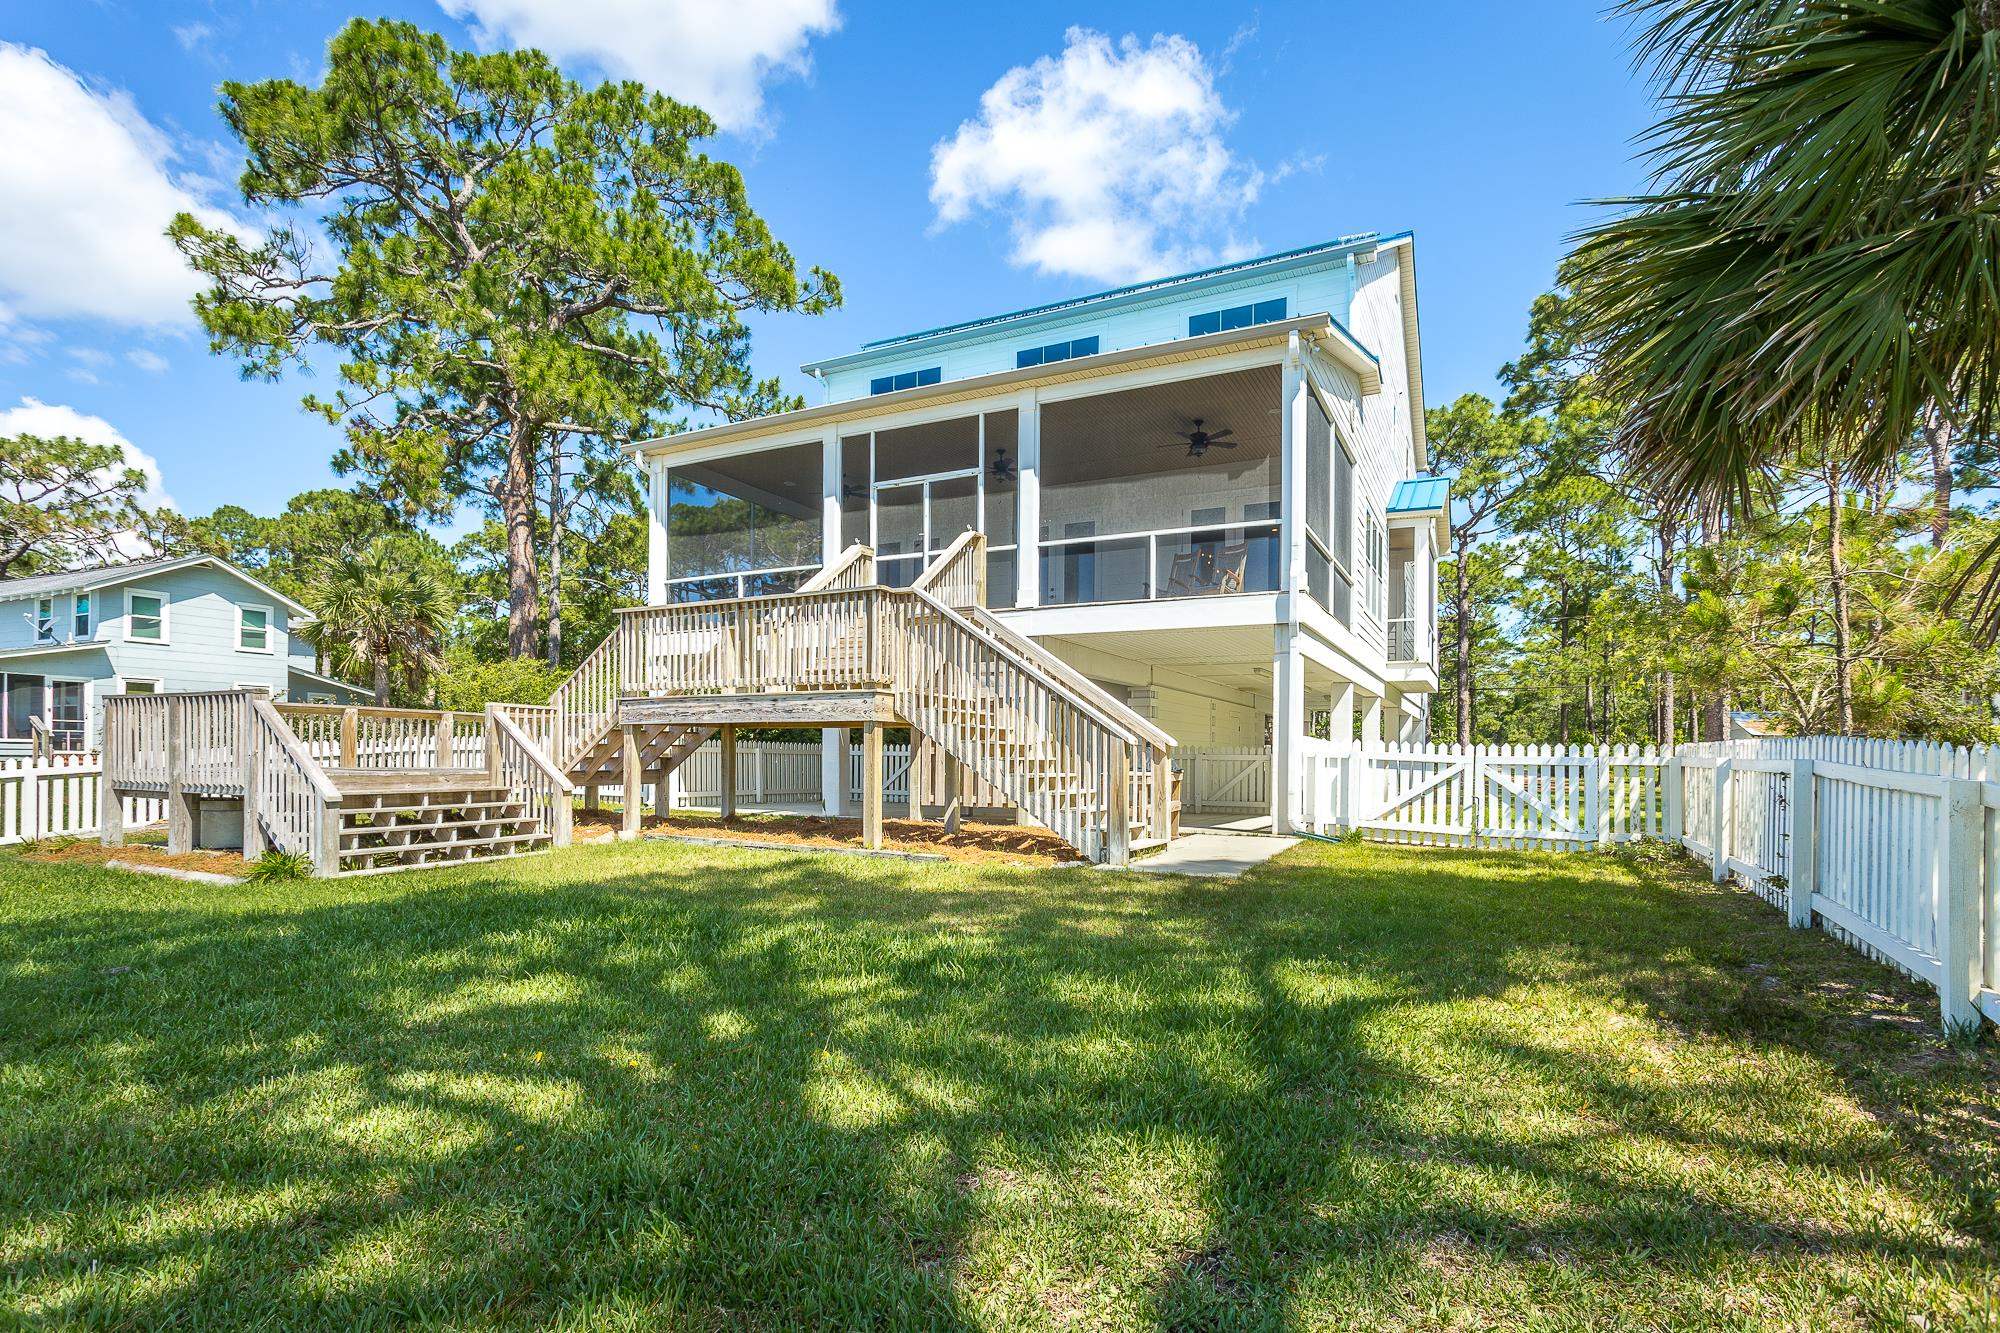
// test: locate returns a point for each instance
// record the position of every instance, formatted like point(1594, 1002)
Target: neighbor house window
point(142, 687)
point(908, 379)
point(80, 616)
point(45, 620)
point(146, 616)
point(1052, 352)
point(253, 629)
point(1236, 317)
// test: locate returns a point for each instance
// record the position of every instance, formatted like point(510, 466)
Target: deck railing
point(385, 738)
point(289, 803)
point(525, 768)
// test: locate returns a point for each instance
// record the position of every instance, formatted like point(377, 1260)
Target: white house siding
point(1163, 318)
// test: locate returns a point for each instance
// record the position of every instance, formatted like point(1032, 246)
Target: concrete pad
point(1221, 855)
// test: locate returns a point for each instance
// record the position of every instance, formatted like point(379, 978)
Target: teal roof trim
point(1221, 274)
point(1420, 495)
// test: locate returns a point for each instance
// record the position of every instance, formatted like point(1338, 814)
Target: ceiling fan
point(1002, 467)
point(1199, 440)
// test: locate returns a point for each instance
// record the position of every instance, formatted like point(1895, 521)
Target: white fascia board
point(1088, 374)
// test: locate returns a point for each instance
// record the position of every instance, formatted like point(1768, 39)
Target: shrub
point(275, 866)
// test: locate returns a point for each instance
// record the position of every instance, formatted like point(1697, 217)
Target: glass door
point(66, 714)
point(915, 518)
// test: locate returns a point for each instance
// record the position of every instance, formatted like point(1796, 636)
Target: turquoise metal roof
point(1420, 495)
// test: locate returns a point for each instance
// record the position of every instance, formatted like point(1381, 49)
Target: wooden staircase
point(393, 821)
point(1002, 708)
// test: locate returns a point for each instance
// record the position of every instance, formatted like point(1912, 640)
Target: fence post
point(349, 735)
point(1718, 824)
point(1600, 795)
point(1350, 773)
point(1961, 861)
point(1803, 837)
point(447, 740)
point(1676, 794)
point(31, 798)
point(180, 811)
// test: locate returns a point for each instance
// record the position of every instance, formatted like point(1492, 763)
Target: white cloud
point(35, 417)
point(1108, 161)
point(87, 187)
point(716, 55)
point(192, 35)
point(149, 361)
point(90, 356)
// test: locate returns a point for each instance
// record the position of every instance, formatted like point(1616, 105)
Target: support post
point(1802, 839)
point(660, 802)
point(920, 755)
point(953, 795)
point(350, 728)
point(630, 778)
point(727, 797)
point(447, 739)
point(871, 785)
point(1371, 722)
point(658, 496)
point(1340, 714)
point(1718, 824)
point(1288, 726)
point(1961, 861)
point(329, 841)
point(1118, 811)
point(1163, 796)
point(592, 798)
point(180, 807)
point(253, 777)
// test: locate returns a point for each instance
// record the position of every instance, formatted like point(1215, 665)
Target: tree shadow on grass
point(647, 1084)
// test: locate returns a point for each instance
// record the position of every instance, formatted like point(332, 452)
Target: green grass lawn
point(663, 1085)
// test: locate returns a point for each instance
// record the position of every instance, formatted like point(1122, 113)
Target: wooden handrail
point(1090, 707)
point(1075, 679)
point(968, 547)
point(834, 576)
point(294, 748)
point(535, 754)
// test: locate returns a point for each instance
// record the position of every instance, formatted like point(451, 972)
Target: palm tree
point(382, 611)
point(1817, 257)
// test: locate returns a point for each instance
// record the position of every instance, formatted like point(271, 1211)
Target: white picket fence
point(1512, 796)
point(1225, 780)
point(1890, 846)
point(57, 796)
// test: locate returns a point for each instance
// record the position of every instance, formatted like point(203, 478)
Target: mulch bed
point(91, 852)
point(1003, 844)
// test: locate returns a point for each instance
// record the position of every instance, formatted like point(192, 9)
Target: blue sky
point(945, 162)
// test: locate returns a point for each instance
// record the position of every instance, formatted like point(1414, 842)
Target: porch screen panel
point(1003, 462)
point(854, 482)
point(1319, 501)
point(1131, 509)
point(1340, 578)
point(934, 446)
point(747, 524)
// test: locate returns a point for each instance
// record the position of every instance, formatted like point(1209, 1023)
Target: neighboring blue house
point(191, 623)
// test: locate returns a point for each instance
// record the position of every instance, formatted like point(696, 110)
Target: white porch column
point(658, 492)
point(1028, 500)
point(1288, 727)
point(1423, 603)
point(1292, 439)
point(1340, 704)
point(832, 740)
point(1371, 721)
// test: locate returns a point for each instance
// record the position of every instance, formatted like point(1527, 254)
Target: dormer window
point(1236, 317)
point(909, 379)
point(1052, 352)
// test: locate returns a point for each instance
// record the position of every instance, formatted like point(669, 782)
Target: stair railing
point(957, 577)
point(514, 761)
point(852, 568)
point(288, 799)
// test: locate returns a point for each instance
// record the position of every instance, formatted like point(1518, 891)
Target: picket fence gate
point(57, 796)
point(1890, 846)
